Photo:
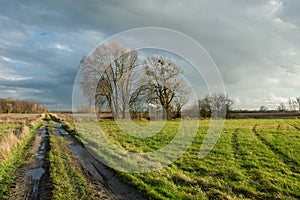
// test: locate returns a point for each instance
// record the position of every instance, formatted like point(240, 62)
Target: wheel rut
point(111, 185)
point(235, 144)
point(292, 164)
point(31, 181)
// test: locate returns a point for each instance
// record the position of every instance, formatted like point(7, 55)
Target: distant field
point(254, 158)
point(18, 116)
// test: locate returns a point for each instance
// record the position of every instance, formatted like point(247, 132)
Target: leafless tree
point(178, 104)
point(204, 106)
point(263, 109)
point(164, 83)
point(298, 102)
point(220, 105)
point(281, 107)
point(216, 105)
point(108, 74)
point(293, 104)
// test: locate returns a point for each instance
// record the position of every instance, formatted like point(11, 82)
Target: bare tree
point(298, 102)
point(164, 83)
point(140, 99)
point(220, 105)
point(263, 109)
point(216, 105)
point(291, 104)
point(205, 106)
point(281, 107)
point(178, 104)
point(9, 108)
point(108, 74)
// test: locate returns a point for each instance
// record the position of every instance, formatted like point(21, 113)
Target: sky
point(255, 44)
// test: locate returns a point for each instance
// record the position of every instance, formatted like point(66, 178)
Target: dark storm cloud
point(254, 43)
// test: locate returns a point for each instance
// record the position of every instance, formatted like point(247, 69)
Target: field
point(253, 158)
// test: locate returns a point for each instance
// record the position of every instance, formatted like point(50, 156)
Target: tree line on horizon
point(9, 105)
point(292, 105)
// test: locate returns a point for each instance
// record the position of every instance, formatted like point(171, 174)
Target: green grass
point(67, 181)
point(10, 165)
point(253, 158)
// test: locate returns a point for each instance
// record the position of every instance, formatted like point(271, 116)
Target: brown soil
point(24, 183)
point(105, 183)
point(103, 178)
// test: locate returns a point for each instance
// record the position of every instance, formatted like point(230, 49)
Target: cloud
point(12, 77)
point(254, 43)
point(63, 47)
point(7, 59)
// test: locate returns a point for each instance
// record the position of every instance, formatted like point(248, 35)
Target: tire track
point(294, 126)
point(291, 163)
point(31, 178)
point(278, 128)
point(234, 143)
point(111, 185)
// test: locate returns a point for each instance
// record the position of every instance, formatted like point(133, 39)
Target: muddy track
point(32, 178)
point(292, 164)
point(111, 184)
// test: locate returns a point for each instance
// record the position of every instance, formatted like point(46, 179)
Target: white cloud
point(63, 47)
point(273, 81)
point(7, 59)
point(13, 77)
point(273, 99)
point(275, 5)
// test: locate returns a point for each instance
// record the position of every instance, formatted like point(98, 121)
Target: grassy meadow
point(253, 158)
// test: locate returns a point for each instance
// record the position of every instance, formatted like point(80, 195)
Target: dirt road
point(32, 178)
point(111, 183)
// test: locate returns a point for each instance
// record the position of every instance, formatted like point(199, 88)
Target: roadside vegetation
point(15, 141)
point(66, 176)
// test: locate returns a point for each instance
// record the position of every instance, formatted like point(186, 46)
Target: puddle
point(42, 148)
point(85, 160)
point(44, 134)
point(40, 157)
point(58, 125)
point(60, 131)
point(102, 173)
point(76, 149)
point(36, 174)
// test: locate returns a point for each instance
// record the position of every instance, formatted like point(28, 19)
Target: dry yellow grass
point(11, 140)
point(15, 137)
